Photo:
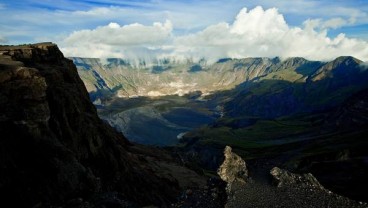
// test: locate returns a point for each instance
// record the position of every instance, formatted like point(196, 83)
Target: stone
point(283, 177)
point(233, 168)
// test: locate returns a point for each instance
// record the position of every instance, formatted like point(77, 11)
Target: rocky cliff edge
point(55, 150)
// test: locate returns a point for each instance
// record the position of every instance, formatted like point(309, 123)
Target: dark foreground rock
point(54, 150)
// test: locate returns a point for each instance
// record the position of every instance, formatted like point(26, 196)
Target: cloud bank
point(114, 40)
point(253, 33)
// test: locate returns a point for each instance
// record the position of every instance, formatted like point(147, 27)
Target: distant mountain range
point(252, 86)
point(167, 77)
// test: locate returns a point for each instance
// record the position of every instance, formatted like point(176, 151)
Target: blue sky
point(60, 21)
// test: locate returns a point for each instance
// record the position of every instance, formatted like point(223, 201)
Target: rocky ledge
point(55, 151)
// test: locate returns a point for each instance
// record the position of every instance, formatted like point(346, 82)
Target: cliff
point(54, 148)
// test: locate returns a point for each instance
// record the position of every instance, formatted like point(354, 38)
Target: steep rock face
point(53, 145)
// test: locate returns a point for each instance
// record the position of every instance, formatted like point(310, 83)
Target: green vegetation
point(262, 134)
point(289, 75)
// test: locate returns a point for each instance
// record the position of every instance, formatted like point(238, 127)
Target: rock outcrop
point(233, 169)
point(283, 177)
point(55, 149)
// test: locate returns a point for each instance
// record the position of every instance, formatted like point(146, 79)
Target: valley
point(233, 93)
point(159, 121)
point(266, 109)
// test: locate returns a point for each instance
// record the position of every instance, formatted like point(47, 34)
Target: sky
point(211, 29)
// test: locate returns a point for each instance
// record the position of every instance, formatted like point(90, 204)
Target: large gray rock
point(233, 169)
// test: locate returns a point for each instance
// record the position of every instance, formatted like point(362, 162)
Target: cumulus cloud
point(337, 22)
point(133, 34)
point(253, 33)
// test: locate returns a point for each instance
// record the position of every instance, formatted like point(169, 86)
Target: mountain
point(231, 88)
point(118, 76)
point(342, 66)
point(56, 151)
point(299, 86)
point(255, 84)
point(165, 77)
point(302, 116)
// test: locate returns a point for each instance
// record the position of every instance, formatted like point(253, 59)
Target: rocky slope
point(56, 151)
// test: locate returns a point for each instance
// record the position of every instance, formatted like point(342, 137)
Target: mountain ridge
point(184, 77)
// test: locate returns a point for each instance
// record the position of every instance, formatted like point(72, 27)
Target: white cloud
point(335, 23)
point(3, 39)
point(114, 25)
point(254, 33)
point(332, 23)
